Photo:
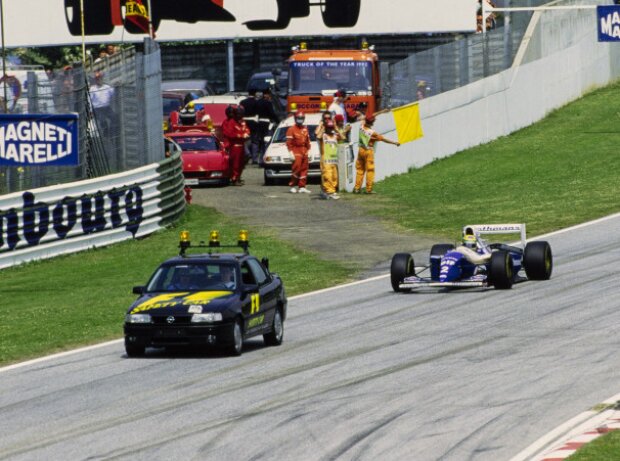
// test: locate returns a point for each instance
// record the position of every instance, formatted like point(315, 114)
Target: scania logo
point(170, 319)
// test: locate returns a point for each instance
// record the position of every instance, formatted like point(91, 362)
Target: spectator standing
point(237, 133)
point(365, 164)
point(101, 96)
point(249, 105)
point(320, 129)
point(298, 144)
point(337, 106)
point(267, 118)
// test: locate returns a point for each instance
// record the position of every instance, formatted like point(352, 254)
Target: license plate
point(191, 182)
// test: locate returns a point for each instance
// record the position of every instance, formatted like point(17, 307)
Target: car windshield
point(194, 277)
point(190, 143)
point(280, 134)
point(317, 77)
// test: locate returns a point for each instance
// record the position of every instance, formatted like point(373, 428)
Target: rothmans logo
point(38, 142)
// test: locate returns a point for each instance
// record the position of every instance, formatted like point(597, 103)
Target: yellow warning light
point(214, 238)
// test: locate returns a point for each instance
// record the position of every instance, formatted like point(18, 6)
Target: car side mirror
point(139, 290)
point(267, 139)
point(265, 262)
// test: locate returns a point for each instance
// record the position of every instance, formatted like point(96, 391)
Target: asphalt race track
point(363, 373)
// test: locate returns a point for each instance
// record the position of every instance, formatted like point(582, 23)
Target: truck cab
point(315, 75)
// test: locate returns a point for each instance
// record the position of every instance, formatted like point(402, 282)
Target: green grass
point(556, 173)
point(54, 305)
point(605, 448)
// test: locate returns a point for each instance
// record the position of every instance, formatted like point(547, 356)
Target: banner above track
point(59, 22)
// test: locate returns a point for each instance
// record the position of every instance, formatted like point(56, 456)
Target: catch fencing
point(123, 135)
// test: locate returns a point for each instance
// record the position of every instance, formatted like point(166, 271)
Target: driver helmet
point(470, 241)
point(299, 117)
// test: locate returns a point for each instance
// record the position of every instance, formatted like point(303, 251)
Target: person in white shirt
point(337, 106)
point(101, 96)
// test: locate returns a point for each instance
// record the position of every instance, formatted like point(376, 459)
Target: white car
point(278, 161)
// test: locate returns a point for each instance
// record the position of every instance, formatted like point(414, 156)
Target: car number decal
point(255, 304)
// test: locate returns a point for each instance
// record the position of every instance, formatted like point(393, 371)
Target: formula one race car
point(476, 263)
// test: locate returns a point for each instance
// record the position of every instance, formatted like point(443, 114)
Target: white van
point(278, 161)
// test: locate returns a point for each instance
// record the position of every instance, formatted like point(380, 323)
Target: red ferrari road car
point(205, 162)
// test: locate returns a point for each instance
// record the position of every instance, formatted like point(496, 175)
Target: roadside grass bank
point(69, 301)
point(605, 448)
point(559, 172)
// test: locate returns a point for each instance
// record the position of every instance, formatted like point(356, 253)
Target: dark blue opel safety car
point(208, 299)
point(476, 263)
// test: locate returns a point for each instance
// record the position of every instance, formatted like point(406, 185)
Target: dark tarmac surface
point(339, 230)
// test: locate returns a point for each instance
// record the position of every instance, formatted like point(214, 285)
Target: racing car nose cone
point(170, 319)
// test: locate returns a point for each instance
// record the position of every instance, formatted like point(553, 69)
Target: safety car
point(207, 299)
point(483, 264)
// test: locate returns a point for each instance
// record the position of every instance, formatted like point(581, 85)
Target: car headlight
point(138, 318)
point(207, 317)
point(273, 159)
point(217, 174)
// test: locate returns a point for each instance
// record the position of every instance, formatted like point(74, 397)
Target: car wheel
point(402, 266)
point(340, 13)
point(267, 180)
point(97, 17)
point(275, 336)
point(501, 270)
point(237, 346)
point(134, 350)
point(538, 261)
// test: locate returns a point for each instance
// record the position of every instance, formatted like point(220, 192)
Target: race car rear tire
point(134, 350)
point(501, 270)
point(402, 266)
point(236, 348)
point(538, 260)
point(340, 13)
point(275, 336)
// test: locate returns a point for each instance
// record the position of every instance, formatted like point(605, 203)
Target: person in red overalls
point(237, 133)
point(298, 144)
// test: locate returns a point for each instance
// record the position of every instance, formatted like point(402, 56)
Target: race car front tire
point(402, 266)
point(538, 260)
point(501, 270)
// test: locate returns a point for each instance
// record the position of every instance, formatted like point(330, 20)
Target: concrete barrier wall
point(501, 104)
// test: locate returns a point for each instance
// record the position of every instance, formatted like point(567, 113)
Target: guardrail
point(50, 221)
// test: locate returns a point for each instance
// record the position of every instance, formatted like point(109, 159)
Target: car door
point(259, 311)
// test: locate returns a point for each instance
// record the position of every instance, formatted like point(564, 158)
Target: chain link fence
point(474, 57)
point(118, 100)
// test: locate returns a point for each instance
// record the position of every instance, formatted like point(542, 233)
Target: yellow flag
point(408, 125)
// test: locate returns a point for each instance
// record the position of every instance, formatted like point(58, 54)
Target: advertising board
point(59, 22)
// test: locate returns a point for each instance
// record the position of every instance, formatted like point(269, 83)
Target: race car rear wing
point(481, 229)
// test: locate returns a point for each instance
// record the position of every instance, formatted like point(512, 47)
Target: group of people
point(332, 132)
point(259, 116)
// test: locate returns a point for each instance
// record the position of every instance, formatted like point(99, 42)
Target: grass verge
point(58, 304)
point(559, 172)
point(605, 448)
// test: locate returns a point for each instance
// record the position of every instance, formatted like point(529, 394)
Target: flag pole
point(83, 34)
point(5, 107)
point(151, 32)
